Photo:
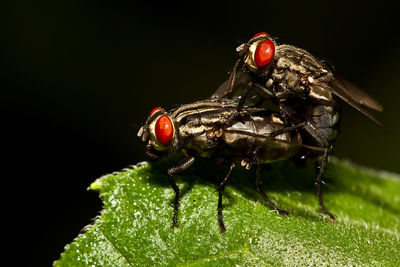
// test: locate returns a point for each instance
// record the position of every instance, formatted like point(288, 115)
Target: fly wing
point(353, 96)
point(259, 96)
point(242, 79)
point(220, 92)
point(345, 89)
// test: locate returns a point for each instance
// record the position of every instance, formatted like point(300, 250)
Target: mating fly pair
point(238, 125)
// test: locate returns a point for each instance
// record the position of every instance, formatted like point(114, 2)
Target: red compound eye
point(154, 110)
point(265, 53)
point(260, 33)
point(164, 130)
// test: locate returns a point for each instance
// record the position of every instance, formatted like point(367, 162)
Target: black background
point(79, 77)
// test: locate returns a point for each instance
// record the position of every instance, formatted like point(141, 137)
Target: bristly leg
point(220, 191)
point(239, 108)
point(318, 181)
point(288, 129)
point(183, 165)
point(265, 197)
point(251, 85)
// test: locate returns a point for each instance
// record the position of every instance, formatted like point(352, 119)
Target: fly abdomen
point(326, 119)
point(251, 140)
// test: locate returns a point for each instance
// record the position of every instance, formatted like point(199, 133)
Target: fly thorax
point(201, 144)
point(288, 83)
point(281, 91)
point(190, 130)
point(283, 63)
point(294, 81)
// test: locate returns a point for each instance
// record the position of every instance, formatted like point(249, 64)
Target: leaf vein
point(114, 247)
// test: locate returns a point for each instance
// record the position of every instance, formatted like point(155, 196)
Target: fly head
point(258, 53)
point(160, 134)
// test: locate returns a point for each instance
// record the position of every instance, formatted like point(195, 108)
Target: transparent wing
point(348, 91)
point(242, 79)
point(353, 96)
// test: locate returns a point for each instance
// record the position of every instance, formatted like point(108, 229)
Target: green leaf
point(135, 226)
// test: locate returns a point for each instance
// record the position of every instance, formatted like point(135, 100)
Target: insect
point(253, 138)
point(302, 87)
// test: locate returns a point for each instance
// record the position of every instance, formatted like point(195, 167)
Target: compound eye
point(260, 33)
point(154, 110)
point(164, 130)
point(264, 53)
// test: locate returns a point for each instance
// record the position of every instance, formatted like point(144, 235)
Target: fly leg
point(318, 181)
point(264, 196)
point(239, 107)
point(259, 88)
point(316, 133)
point(318, 136)
point(263, 91)
point(221, 188)
point(288, 129)
point(183, 165)
point(284, 115)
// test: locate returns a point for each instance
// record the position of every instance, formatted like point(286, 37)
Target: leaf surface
point(135, 226)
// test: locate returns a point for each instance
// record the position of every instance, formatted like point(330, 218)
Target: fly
point(303, 89)
point(286, 72)
point(255, 136)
